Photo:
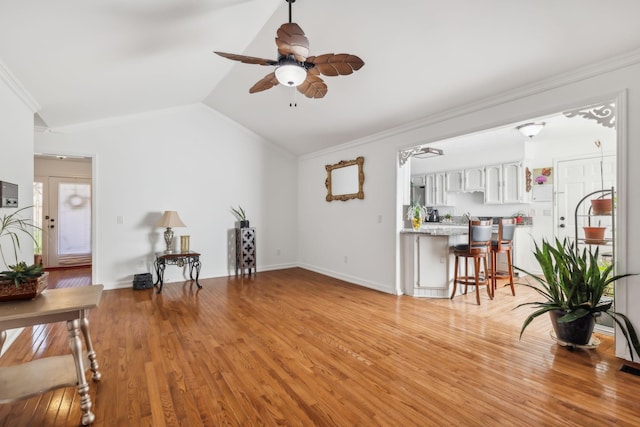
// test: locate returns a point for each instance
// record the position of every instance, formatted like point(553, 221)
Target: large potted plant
point(19, 281)
point(572, 289)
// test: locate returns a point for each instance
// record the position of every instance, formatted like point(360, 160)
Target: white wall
point(323, 249)
point(16, 158)
point(363, 231)
point(192, 160)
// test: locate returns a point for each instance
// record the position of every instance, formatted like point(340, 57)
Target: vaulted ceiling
point(89, 60)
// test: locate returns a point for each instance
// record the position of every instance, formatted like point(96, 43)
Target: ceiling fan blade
point(292, 41)
point(267, 82)
point(313, 87)
point(340, 64)
point(247, 59)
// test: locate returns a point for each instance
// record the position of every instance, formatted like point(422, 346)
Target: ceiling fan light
point(291, 75)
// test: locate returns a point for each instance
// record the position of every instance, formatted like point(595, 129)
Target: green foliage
point(11, 227)
point(21, 273)
point(239, 213)
point(575, 282)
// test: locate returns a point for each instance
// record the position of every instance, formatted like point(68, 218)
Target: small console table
point(176, 258)
point(49, 373)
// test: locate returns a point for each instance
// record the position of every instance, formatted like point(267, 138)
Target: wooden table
point(45, 374)
point(176, 258)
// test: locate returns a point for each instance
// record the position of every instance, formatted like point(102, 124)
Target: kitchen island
point(427, 260)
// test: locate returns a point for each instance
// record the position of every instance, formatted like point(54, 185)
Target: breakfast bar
point(427, 263)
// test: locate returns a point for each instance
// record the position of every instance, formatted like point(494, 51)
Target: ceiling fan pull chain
point(294, 103)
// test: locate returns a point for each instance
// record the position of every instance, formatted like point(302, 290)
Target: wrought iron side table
point(176, 258)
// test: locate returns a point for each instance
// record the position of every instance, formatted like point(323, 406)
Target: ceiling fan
point(294, 68)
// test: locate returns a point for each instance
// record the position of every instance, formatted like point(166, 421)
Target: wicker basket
point(28, 290)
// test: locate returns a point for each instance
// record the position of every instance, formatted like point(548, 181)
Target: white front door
point(67, 219)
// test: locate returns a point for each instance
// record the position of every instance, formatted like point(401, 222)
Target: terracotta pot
point(594, 234)
point(601, 206)
point(577, 332)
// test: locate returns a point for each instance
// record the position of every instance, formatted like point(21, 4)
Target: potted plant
point(241, 216)
point(603, 205)
point(572, 289)
point(20, 281)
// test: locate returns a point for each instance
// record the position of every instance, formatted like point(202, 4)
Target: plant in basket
point(602, 205)
point(20, 280)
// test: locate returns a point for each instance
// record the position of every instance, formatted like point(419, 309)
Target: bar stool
point(478, 248)
point(503, 244)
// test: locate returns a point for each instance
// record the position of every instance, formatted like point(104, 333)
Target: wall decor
point(345, 180)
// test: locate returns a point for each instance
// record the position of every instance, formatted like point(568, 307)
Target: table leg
point(160, 265)
point(75, 344)
point(195, 262)
point(84, 327)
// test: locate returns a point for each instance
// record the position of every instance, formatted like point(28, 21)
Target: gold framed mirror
point(345, 180)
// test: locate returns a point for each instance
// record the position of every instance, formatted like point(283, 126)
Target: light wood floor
point(292, 347)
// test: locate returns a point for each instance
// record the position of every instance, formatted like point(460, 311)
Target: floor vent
point(630, 370)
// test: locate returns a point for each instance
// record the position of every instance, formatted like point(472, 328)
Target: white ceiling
point(89, 60)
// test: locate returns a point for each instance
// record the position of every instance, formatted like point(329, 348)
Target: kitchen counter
point(427, 260)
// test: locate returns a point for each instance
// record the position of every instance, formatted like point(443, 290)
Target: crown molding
point(540, 86)
point(14, 84)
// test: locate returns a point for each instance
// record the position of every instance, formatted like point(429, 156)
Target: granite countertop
point(448, 229)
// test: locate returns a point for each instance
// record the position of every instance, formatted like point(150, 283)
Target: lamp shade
point(170, 219)
point(291, 75)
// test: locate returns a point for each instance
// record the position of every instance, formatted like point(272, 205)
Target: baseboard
point(355, 280)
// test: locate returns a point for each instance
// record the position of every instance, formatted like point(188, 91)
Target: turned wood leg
point(75, 345)
point(84, 327)
point(3, 338)
point(513, 289)
point(476, 267)
point(455, 277)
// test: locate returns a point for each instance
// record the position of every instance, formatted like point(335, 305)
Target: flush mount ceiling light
point(530, 129)
point(427, 152)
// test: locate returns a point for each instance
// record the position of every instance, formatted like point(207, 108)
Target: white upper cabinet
point(513, 183)
point(504, 183)
point(474, 179)
point(440, 189)
point(493, 181)
point(455, 180)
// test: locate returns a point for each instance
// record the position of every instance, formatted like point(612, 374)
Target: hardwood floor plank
point(293, 347)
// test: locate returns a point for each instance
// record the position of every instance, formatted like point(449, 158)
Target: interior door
point(68, 222)
point(575, 179)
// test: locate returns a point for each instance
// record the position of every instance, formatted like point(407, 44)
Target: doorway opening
point(63, 211)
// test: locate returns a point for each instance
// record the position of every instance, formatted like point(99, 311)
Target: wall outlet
point(379, 219)
point(278, 252)
point(346, 259)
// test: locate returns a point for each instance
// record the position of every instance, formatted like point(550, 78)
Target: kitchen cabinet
point(440, 189)
point(455, 180)
point(512, 182)
point(492, 188)
point(474, 179)
point(504, 183)
point(465, 180)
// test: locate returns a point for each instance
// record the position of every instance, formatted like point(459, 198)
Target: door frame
point(94, 204)
point(402, 174)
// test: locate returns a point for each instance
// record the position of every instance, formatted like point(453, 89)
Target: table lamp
point(169, 219)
